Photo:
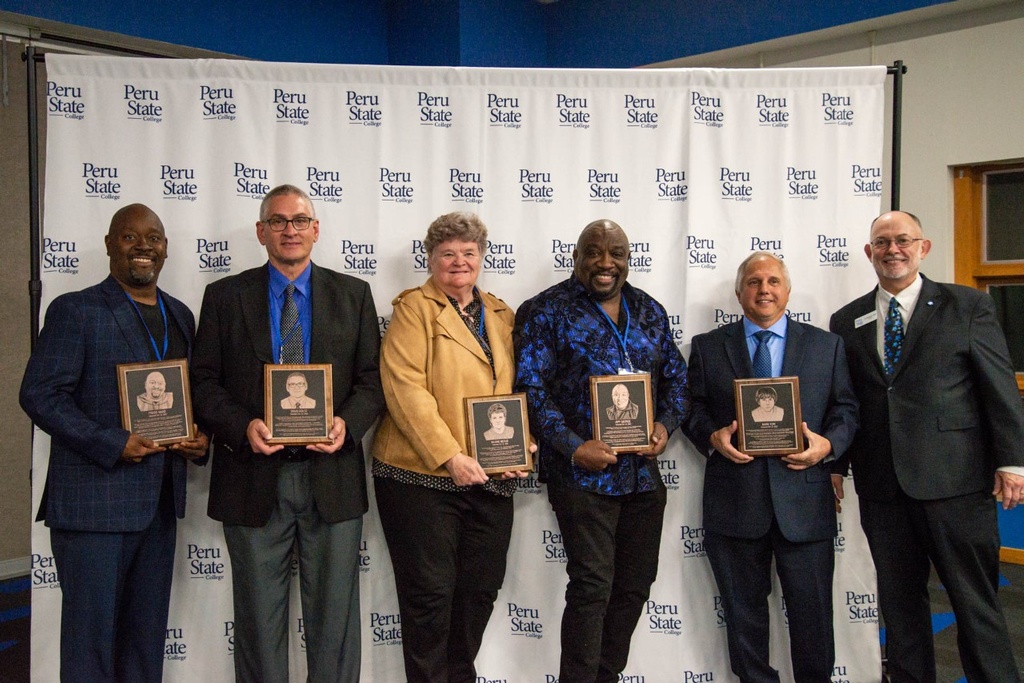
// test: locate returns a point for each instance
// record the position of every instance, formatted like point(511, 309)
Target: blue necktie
point(292, 350)
point(893, 336)
point(762, 356)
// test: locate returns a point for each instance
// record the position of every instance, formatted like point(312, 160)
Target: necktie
point(893, 336)
point(291, 329)
point(762, 356)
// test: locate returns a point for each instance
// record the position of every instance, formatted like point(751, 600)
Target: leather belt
point(295, 454)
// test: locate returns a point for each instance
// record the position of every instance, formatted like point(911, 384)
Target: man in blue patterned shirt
point(609, 508)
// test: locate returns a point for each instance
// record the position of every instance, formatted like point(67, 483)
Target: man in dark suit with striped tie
point(111, 497)
point(273, 498)
point(941, 433)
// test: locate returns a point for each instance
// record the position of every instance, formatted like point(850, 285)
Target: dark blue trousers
point(116, 592)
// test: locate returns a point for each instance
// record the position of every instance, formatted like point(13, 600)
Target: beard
point(140, 279)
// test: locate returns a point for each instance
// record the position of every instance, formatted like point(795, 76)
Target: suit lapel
point(319, 305)
point(451, 322)
point(252, 300)
point(736, 350)
point(326, 312)
point(174, 315)
point(497, 332)
point(793, 356)
point(866, 336)
point(127, 321)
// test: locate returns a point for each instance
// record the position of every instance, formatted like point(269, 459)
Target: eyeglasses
point(903, 242)
point(277, 224)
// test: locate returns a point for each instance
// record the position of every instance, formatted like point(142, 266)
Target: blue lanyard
point(621, 338)
point(163, 313)
point(480, 325)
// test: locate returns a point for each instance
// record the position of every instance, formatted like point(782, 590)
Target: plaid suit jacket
point(70, 391)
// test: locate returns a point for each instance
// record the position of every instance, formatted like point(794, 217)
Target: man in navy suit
point(942, 433)
point(757, 508)
point(269, 497)
point(111, 497)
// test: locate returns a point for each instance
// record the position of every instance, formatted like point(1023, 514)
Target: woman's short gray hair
point(458, 225)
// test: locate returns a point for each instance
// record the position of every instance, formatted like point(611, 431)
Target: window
point(989, 243)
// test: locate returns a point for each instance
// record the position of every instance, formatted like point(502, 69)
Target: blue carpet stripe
point(16, 613)
point(941, 620)
point(15, 585)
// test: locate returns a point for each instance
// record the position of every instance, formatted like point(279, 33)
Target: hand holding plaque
point(621, 408)
point(768, 416)
point(499, 433)
point(156, 402)
point(298, 404)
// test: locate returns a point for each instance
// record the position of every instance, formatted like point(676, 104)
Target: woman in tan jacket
point(447, 524)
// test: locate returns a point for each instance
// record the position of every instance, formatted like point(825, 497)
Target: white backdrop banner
point(700, 167)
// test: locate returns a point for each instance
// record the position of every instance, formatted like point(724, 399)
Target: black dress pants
point(960, 536)
point(448, 551)
point(611, 545)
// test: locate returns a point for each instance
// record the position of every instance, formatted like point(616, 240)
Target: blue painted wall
point(504, 33)
point(624, 33)
point(424, 33)
point(324, 31)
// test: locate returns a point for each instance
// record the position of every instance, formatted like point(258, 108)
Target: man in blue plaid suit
point(111, 497)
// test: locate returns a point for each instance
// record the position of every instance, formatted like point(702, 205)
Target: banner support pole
point(896, 71)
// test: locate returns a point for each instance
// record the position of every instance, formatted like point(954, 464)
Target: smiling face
point(620, 396)
point(602, 259)
point(288, 249)
point(896, 267)
point(137, 247)
point(764, 292)
point(155, 385)
point(455, 265)
point(296, 385)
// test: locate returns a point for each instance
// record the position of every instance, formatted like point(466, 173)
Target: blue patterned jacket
point(562, 338)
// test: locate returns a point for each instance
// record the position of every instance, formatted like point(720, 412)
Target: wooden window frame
point(969, 266)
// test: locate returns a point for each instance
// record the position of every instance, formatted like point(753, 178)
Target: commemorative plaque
point(298, 403)
point(621, 407)
point(499, 433)
point(768, 416)
point(155, 400)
